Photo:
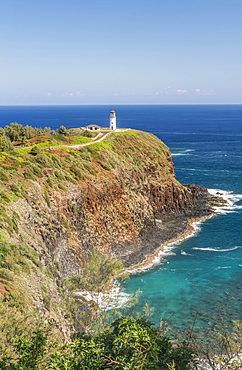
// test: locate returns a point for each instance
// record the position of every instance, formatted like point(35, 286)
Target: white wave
point(215, 249)
point(183, 152)
point(230, 197)
point(222, 267)
point(178, 154)
point(112, 299)
point(185, 253)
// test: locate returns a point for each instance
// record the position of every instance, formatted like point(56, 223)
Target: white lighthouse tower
point(112, 124)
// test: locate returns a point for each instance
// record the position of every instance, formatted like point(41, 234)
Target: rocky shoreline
point(172, 228)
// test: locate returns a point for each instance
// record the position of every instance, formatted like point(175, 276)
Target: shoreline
point(155, 257)
point(218, 202)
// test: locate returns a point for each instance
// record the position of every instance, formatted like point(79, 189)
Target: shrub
point(35, 150)
point(28, 174)
point(129, 344)
point(4, 197)
point(5, 144)
point(3, 176)
point(60, 175)
point(44, 160)
point(15, 189)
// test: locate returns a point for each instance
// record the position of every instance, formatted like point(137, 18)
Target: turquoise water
point(199, 281)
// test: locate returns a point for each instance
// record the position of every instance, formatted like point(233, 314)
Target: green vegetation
point(5, 144)
point(128, 344)
point(38, 137)
point(80, 140)
point(17, 258)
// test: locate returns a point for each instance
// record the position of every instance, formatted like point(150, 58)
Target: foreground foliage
point(128, 344)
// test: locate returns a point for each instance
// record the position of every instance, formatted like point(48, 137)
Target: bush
point(88, 133)
point(129, 344)
point(44, 160)
point(35, 150)
point(5, 144)
point(28, 174)
point(62, 130)
point(15, 189)
point(3, 176)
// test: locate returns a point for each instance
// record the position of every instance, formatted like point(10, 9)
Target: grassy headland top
point(52, 158)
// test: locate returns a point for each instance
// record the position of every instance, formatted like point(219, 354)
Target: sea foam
point(231, 199)
point(112, 299)
point(215, 249)
point(183, 152)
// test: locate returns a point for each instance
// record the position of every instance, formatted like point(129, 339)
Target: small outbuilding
point(92, 127)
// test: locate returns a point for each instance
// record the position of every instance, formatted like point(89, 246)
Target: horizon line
point(111, 104)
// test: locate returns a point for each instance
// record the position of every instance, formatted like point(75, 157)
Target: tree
point(5, 144)
point(129, 344)
point(14, 131)
point(224, 353)
point(95, 280)
point(62, 130)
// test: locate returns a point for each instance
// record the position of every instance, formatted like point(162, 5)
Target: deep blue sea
point(198, 282)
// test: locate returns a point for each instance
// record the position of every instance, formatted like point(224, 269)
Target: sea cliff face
point(119, 196)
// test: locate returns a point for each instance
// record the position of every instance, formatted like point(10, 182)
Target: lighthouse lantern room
point(112, 124)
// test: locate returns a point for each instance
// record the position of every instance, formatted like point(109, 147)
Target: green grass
point(80, 140)
point(48, 143)
point(127, 133)
point(22, 150)
point(97, 147)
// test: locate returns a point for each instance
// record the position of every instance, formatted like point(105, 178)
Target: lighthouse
point(112, 124)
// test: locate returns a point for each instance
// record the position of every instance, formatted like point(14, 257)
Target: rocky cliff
point(120, 196)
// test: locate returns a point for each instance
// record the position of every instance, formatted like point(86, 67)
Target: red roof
point(112, 111)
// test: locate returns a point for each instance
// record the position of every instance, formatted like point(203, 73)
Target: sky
point(120, 52)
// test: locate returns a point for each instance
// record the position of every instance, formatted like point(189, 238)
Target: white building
point(92, 127)
point(112, 124)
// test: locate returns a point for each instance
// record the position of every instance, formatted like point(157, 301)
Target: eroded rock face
point(116, 217)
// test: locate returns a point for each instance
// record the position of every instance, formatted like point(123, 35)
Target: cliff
point(119, 196)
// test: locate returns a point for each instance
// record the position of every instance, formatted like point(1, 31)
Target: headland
point(119, 196)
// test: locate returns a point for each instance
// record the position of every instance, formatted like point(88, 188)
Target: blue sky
point(120, 52)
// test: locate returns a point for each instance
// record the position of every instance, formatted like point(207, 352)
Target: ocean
point(198, 281)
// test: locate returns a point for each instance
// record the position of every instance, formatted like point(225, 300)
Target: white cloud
point(205, 92)
point(181, 92)
point(164, 91)
point(48, 94)
point(115, 94)
point(71, 94)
